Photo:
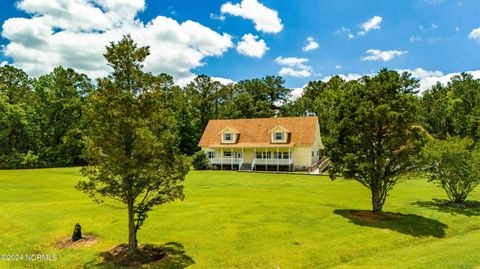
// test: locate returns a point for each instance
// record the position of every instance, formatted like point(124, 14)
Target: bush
point(200, 161)
point(454, 167)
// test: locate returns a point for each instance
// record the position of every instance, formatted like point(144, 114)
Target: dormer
point(229, 135)
point(279, 135)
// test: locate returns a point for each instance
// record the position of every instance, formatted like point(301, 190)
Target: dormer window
point(279, 136)
point(229, 135)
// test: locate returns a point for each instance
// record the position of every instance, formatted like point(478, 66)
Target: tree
point(19, 136)
point(131, 139)
point(376, 139)
point(199, 160)
point(453, 109)
point(60, 101)
point(454, 166)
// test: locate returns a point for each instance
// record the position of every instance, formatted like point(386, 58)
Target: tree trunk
point(132, 233)
point(377, 201)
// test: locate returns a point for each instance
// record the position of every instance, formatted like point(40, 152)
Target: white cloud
point(297, 92)
point(75, 33)
point(379, 55)
point(475, 34)
point(371, 24)
point(311, 44)
point(345, 30)
point(291, 61)
point(252, 47)
point(224, 81)
point(186, 80)
point(265, 19)
point(347, 77)
point(294, 67)
point(214, 16)
point(298, 73)
point(415, 38)
point(426, 78)
point(430, 78)
point(4, 63)
point(338, 66)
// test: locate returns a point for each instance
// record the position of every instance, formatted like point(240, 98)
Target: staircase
point(246, 167)
point(319, 167)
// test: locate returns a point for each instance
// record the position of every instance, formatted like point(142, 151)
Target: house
point(280, 144)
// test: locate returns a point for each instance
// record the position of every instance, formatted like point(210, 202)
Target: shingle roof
point(255, 132)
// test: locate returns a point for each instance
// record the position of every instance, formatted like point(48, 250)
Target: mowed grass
point(243, 220)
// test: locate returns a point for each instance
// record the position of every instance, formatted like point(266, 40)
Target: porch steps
point(246, 167)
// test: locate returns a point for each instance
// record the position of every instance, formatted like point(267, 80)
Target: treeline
point(42, 121)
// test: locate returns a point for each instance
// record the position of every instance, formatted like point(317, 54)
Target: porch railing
point(235, 161)
point(273, 161)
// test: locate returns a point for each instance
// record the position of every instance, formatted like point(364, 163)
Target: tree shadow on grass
point(410, 224)
point(168, 256)
point(469, 208)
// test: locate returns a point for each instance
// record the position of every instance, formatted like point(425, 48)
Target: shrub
point(199, 161)
point(454, 167)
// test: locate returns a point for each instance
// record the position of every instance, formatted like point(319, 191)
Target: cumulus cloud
point(75, 33)
point(347, 77)
point(475, 34)
point(251, 46)
point(427, 78)
point(294, 67)
point(371, 24)
point(379, 55)
point(297, 92)
point(311, 44)
point(265, 19)
point(186, 80)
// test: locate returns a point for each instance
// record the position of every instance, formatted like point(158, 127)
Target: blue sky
point(432, 38)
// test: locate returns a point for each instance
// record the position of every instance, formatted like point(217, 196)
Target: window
point(211, 154)
point(286, 155)
point(227, 154)
point(277, 155)
point(279, 136)
point(263, 155)
point(227, 137)
point(313, 153)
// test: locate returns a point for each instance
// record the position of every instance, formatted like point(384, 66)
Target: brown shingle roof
point(255, 132)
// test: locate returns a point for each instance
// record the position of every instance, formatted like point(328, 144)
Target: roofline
point(271, 118)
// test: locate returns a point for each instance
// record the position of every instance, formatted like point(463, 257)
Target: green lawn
point(244, 220)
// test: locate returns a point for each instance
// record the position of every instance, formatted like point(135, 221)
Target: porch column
point(221, 158)
point(232, 158)
point(254, 158)
point(289, 158)
point(266, 159)
point(278, 160)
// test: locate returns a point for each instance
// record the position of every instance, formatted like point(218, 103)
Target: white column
point(221, 158)
point(289, 158)
point(266, 159)
point(278, 160)
point(254, 157)
point(231, 158)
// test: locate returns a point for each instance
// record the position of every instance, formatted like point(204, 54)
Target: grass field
point(243, 220)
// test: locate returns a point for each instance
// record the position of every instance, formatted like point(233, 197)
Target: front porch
point(251, 159)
